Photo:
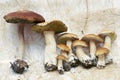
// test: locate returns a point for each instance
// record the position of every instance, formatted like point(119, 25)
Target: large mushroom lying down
point(68, 38)
point(101, 54)
point(92, 39)
point(85, 60)
point(108, 36)
point(22, 18)
point(49, 30)
point(64, 52)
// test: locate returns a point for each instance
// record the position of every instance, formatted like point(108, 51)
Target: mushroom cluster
point(91, 50)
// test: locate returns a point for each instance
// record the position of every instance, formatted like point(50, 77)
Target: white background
point(101, 14)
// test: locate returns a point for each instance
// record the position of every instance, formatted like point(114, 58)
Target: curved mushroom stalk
point(19, 66)
point(84, 59)
point(72, 59)
point(107, 45)
point(50, 51)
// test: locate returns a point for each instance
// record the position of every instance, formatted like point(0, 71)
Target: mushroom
point(68, 38)
point(65, 51)
point(49, 30)
point(22, 18)
point(60, 59)
point(80, 53)
point(92, 39)
point(108, 36)
point(101, 53)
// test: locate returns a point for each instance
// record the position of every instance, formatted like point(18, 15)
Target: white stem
point(21, 49)
point(50, 48)
point(101, 60)
point(92, 49)
point(71, 55)
point(60, 64)
point(107, 43)
point(80, 53)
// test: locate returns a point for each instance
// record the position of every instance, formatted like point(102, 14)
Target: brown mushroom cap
point(65, 37)
point(109, 33)
point(24, 17)
point(79, 43)
point(93, 37)
point(57, 26)
point(102, 51)
point(63, 47)
point(61, 57)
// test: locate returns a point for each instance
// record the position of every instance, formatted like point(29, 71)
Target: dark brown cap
point(24, 17)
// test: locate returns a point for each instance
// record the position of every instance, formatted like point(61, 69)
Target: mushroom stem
point(73, 60)
point(82, 56)
point(21, 41)
point(60, 66)
point(107, 43)
point(64, 54)
point(101, 61)
point(50, 50)
point(92, 49)
point(80, 53)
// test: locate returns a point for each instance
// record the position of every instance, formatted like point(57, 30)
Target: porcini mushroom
point(49, 30)
point(108, 36)
point(60, 59)
point(101, 53)
point(22, 18)
point(68, 38)
point(80, 53)
point(92, 39)
point(65, 51)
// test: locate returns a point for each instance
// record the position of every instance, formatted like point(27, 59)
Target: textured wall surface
point(94, 15)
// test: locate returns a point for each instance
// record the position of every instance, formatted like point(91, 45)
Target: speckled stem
point(50, 48)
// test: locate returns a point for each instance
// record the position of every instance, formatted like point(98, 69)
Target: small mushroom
point(60, 59)
point(101, 53)
point(22, 18)
point(92, 39)
point(80, 53)
point(68, 38)
point(108, 36)
point(49, 30)
point(65, 51)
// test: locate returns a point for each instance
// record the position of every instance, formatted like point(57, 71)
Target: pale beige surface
point(101, 14)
